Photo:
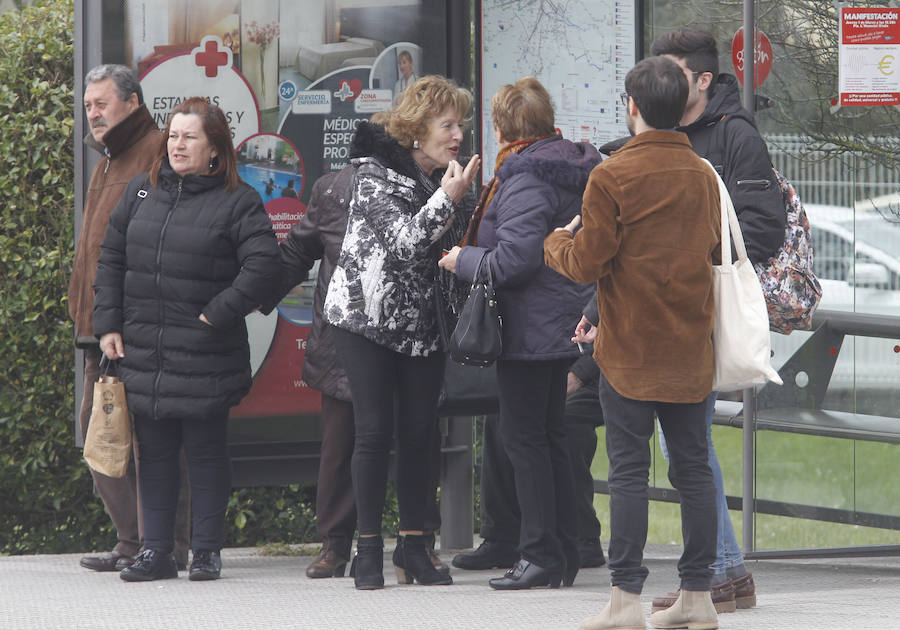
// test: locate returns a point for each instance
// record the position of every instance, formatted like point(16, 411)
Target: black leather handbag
point(476, 340)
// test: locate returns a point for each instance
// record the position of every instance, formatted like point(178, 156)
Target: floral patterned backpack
point(789, 285)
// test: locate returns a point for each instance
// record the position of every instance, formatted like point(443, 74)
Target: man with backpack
point(725, 133)
point(743, 161)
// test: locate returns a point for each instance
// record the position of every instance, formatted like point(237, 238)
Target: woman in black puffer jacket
point(189, 252)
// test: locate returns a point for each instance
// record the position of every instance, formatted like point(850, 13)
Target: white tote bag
point(741, 343)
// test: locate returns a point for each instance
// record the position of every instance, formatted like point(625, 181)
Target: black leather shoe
point(112, 561)
point(526, 575)
point(489, 555)
point(368, 564)
point(151, 565)
point(205, 565)
point(412, 562)
point(591, 553)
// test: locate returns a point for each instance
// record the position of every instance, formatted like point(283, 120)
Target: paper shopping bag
point(107, 446)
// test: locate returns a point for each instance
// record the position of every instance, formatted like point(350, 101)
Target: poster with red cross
point(207, 71)
point(869, 56)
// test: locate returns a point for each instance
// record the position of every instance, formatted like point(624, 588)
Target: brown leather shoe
point(744, 591)
point(112, 561)
point(328, 564)
point(722, 597)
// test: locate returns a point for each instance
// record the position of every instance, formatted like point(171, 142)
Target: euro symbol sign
point(885, 65)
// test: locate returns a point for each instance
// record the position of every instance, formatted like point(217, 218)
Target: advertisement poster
point(581, 55)
point(294, 78)
point(869, 56)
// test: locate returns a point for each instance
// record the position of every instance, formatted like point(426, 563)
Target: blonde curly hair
point(428, 97)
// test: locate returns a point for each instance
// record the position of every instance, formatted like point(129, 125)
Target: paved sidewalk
point(260, 592)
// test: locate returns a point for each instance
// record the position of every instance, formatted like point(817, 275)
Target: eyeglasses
point(624, 97)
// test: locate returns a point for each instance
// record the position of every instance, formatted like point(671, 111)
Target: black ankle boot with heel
point(368, 565)
point(412, 563)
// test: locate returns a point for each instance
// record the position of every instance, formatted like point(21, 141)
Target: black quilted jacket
point(189, 247)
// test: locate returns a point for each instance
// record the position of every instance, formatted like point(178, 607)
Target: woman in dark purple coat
point(540, 178)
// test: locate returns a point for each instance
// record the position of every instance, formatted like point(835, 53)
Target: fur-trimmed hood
point(371, 140)
point(556, 161)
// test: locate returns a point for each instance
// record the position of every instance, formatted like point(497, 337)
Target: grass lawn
point(809, 470)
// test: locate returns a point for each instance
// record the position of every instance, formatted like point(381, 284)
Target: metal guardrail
point(769, 408)
point(817, 356)
point(796, 409)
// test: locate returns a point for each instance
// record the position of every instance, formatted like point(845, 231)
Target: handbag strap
point(730, 225)
point(109, 364)
point(490, 276)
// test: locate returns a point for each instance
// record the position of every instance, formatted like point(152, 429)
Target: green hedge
point(45, 490)
point(46, 500)
point(47, 503)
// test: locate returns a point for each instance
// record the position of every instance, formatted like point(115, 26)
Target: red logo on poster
point(349, 90)
point(211, 58)
point(762, 53)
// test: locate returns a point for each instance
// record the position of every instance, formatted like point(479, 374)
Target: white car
point(857, 261)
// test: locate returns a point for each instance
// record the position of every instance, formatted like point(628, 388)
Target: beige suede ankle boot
point(622, 612)
point(693, 610)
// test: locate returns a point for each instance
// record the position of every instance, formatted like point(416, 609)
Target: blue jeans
point(728, 551)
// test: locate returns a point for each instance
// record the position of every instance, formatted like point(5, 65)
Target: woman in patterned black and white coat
point(407, 192)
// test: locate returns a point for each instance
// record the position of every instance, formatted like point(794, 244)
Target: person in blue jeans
point(732, 585)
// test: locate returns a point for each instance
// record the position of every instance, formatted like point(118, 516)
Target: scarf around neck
point(489, 189)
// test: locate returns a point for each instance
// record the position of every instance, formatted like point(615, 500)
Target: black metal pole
point(749, 57)
point(749, 432)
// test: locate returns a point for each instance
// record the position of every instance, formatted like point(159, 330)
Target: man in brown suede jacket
point(650, 237)
point(125, 133)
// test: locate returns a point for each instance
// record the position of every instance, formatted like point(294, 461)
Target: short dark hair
point(697, 48)
point(659, 89)
point(217, 131)
point(124, 77)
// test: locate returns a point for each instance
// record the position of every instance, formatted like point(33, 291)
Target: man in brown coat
point(650, 237)
point(124, 132)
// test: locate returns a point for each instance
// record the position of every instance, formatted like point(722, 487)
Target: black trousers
point(583, 415)
point(120, 495)
point(500, 517)
point(629, 427)
point(205, 443)
point(532, 404)
point(386, 387)
point(335, 505)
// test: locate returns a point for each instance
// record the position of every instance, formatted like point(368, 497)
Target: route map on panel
point(579, 49)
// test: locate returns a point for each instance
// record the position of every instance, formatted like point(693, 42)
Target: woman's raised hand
point(456, 179)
